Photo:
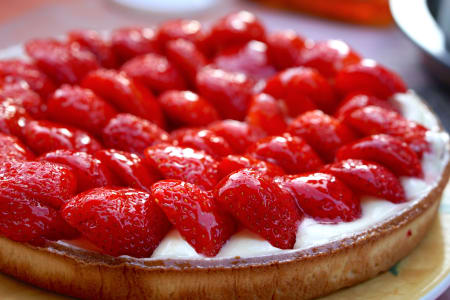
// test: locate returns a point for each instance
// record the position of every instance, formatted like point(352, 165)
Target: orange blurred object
point(368, 12)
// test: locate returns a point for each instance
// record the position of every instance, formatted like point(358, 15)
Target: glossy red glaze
point(129, 42)
point(267, 113)
point(232, 163)
point(357, 100)
point(93, 42)
point(285, 48)
point(13, 118)
point(12, 148)
point(18, 92)
point(189, 30)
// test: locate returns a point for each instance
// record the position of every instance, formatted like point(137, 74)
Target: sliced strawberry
point(239, 135)
point(324, 133)
point(185, 164)
point(261, 206)
point(368, 178)
point(189, 30)
point(195, 215)
point(201, 139)
point(385, 150)
point(64, 63)
point(357, 100)
point(289, 152)
point(285, 48)
point(125, 94)
point(120, 221)
point(12, 148)
point(371, 120)
point(79, 107)
point(46, 182)
point(369, 77)
point(13, 118)
point(232, 163)
point(266, 113)
point(187, 108)
point(93, 42)
point(128, 167)
point(133, 41)
point(19, 92)
point(322, 196)
point(90, 171)
point(302, 89)
point(229, 92)
point(156, 72)
point(130, 133)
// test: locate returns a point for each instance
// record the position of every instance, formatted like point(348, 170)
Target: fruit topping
point(11, 148)
point(232, 163)
point(266, 113)
point(285, 48)
point(133, 41)
point(359, 100)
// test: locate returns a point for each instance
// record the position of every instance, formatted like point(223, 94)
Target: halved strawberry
point(261, 206)
point(386, 150)
point(368, 178)
point(289, 152)
point(129, 42)
point(195, 215)
point(232, 163)
point(266, 113)
point(185, 164)
point(358, 100)
point(121, 221)
point(12, 148)
point(13, 118)
point(182, 29)
point(322, 197)
point(18, 92)
point(285, 48)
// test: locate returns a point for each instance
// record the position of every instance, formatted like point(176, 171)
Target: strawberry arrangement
point(118, 139)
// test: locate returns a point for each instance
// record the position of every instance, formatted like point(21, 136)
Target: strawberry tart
point(221, 162)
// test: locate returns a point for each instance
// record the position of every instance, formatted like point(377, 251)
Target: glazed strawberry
point(120, 221)
point(329, 57)
point(251, 59)
point(130, 133)
point(20, 70)
point(125, 94)
point(302, 89)
point(232, 163)
point(369, 77)
point(44, 136)
point(64, 63)
point(239, 135)
point(19, 93)
point(12, 148)
point(201, 139)
point(93, 42)
point(324, 133)
point(128, 167)
point(373, 120)
point(79, 107)
point(185, 164)
point(189, 30)
point(266, 113)
point(13, 118)
point(229, 92)
point(385, 150)
point(289, 152)
point(46, 182)
point(261, 206)
point(90, 171)
point(368, 178)
point(322, 196)
point(156, 72)
point(285, 48)
point(195, 215)
point(358, 100)
point(187, 108)
point(133, 41)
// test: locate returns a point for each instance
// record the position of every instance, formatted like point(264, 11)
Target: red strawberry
point(322, 196)
point(232, 163)
point(239, 135)
point(12, 148)
point(187, 108)
point(189, 30)
point(18, 92)
point(261, 206)
point(195, 215)
point(48, 183)
point(125, 94)
point(128, 167)
point(369, 77)
point(90, 172)
point(266, 113)
point(133, 134)
point(133, 41)
point(94, 43)
point(64, 63)
point(289, 152)
point(302, 89)
point(229, 92)
point(285, 48)
point(79, 107)
point(358, 100)
point(185, 164)
point(373, 119)
point(44, 136)
point(368, 178)
point(13, 118)
point(324, 133)
point(120, 221)
point(386, 150)
point(201, 139)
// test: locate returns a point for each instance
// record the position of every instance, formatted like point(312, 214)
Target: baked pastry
point(266, 167)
